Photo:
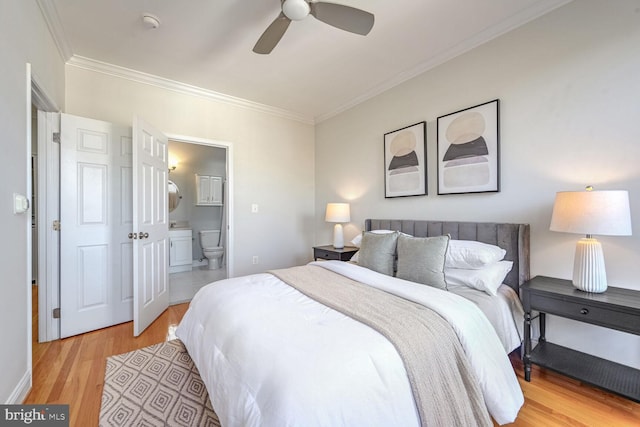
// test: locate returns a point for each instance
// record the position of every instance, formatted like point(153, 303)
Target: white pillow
point(358, 239)
point(470, 254)
point(487, 279)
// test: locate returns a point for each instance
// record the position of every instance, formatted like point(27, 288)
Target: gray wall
point(24, 38)
point(569, 91)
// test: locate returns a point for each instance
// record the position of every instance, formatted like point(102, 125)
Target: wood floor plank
point(71, 371)
point(553, 399)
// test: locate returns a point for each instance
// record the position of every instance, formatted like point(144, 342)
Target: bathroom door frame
point(228, 191)
point(48, 210)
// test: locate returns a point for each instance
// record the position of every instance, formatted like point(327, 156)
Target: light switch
point(254, 208)
point(20, 203)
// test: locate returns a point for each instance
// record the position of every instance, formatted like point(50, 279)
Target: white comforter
point(270, 356)
point(503, 310)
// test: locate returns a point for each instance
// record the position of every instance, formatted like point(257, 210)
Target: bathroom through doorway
point(200, 198)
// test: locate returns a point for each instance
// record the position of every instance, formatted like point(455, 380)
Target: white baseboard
point(21, 390)
point(198, 263)
point(180, 268)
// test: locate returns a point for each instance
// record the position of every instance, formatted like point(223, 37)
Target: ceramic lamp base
point(338, 237)
point(589, 274)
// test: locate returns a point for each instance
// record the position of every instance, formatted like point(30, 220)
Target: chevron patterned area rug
point(155, 386)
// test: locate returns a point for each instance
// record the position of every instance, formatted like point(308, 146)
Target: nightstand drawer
point(324, 254)
point(586, 313)
point(328, 252)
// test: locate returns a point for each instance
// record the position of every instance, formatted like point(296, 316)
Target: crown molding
point(175, 86)
point(490, 33)
point(51, 17)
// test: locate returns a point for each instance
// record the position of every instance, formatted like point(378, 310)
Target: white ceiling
point(315, 71)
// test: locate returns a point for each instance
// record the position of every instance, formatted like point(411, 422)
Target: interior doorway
point(49, 255)
point(200, 236)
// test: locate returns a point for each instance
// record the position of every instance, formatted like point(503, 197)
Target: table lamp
point(591, 212)
point(338, 213)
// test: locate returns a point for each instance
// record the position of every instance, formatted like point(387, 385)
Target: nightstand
point(329, 252)
point(616, 308)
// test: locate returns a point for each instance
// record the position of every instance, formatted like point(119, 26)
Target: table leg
point(543, 327)
point(527, 346)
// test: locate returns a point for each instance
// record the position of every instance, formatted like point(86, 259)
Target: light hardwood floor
point(71, 371)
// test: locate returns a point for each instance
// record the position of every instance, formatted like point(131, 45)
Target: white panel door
point(150, 219)
point(96, 254)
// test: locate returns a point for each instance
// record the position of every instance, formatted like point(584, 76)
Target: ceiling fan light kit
point(296, 10)
point(346, 18)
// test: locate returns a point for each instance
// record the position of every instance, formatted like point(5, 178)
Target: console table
point(616, 308)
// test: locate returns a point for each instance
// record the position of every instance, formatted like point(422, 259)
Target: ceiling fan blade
point(344, 17)
point(272, 35)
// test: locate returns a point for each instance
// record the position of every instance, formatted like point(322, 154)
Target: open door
point(114, 225)
point(150, 225)
point(96, 254)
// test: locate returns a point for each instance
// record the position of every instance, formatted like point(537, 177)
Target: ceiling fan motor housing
point(296, 10)
point(344, 17)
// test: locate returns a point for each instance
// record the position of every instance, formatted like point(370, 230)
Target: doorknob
point(133, 235)
point(144, 235)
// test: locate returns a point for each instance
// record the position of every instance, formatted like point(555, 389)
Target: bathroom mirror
point(174, 195)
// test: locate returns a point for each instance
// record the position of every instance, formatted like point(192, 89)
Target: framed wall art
point(469, 150)
point(405, 162)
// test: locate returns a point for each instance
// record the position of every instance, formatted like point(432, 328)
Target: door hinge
point(56, 313)
point(56, 137)
point(56, 225)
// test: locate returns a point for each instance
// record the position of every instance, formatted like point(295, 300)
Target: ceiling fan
point(340, 16)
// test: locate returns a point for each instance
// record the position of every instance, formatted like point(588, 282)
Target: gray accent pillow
point(378, 252)
point(421, 259)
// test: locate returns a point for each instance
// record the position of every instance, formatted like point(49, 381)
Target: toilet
point(209, 240)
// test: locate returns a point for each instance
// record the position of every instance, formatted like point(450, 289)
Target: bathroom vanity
point(180, 250)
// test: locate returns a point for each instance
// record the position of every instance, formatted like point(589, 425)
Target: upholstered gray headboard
point(514, 238)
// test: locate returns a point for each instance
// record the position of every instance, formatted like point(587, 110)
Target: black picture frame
point(469, 150)
point(405, 161)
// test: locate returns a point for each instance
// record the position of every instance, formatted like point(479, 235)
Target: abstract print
point(468, 150)
point(405, 173)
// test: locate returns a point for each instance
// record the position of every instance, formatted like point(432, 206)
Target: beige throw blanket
point(445, 390)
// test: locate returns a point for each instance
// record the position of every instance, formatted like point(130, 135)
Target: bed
point(504, 311)
point(275, 353)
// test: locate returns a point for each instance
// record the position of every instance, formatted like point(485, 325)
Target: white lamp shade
point(591, 212)
point(337, 212)
point(603, 213)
